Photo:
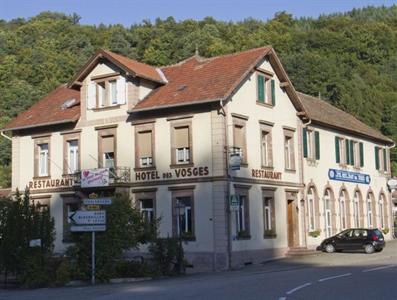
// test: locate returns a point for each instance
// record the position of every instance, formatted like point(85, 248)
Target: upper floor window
point(266, 89)
point(43, 159)
point(349, 152)
point(266, 145)
point(240, 139)
point(73, 156)
point(106, 91)
point(181, 143)
point(311, 144)
point(289, 152)
point(107, 157)
point(145, 149)
point(382, 163)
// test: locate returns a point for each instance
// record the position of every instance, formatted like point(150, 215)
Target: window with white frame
point(182, 145)
point(268, 213)
point(145, 151)
point(311, 209)
point(266, 148)
point(113, 91)
point(356, 209)
point(73, 156)
point(342, 210)
point(289, 152)
point(327, 213)
point(369, 211)
point(242, 217)
point(147, 209)
point(184, 219)
point(381, 214)
point(43, 159)
point(239, 140)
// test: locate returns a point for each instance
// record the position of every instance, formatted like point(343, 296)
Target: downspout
point(5, 136)
point(228, 217)
point(302, 179)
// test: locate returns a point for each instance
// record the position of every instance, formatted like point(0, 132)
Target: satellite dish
point(392, 183)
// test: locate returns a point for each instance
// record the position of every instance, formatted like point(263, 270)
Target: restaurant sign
point(342, 175)
point(265, 174)
point(94, 178)
point(50, 183)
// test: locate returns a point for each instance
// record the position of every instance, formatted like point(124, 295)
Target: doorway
point(290, 220)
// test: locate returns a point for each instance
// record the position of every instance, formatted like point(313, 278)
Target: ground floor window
point(183, 214)
point(311, 209)
point(369, 211)
point(242, 214)
point(70, 206)
point(147, 209)
point(342, 210)
point(327, 214)
point(269, 221)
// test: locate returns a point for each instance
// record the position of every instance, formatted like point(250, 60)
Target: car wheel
point(369, 249)
point(329, 248)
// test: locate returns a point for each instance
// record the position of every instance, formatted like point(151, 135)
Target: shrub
point(315, 233)
point(165, 253)
point(125, 269)
point(63, 274)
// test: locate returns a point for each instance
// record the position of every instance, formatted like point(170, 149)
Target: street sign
point(234, 202)
point(85, 228)
point(35, 243)
point(88, 217)
point(234, 161)
point(93, 207)
point(97, 201)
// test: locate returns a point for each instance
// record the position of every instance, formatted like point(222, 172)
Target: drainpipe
point(228, 217)
point(5, 136)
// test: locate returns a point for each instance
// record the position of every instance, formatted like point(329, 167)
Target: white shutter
point(91, 95)
point(121, 90)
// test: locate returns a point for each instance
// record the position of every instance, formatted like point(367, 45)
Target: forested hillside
point(349, 58)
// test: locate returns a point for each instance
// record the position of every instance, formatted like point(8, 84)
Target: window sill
point(42, 177)
point(244, 165)
point(268, 105)
point(110, 107)
point(151, 168)
point(176, 166)
point(290, 170)
point(64, 175)
point(243, 238)
point(270, 236)
point(270, 168)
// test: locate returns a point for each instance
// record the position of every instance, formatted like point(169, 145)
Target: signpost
point(234, 202)
point(234, 161)
point(97, 201)
point(89, 221)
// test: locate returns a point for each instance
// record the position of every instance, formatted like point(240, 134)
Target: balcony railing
point(116, 175)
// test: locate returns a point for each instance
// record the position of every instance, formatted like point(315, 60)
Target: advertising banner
point(94, 178)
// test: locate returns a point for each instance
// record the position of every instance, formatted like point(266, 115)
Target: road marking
point(333, 277)
point(298, 288)
point(282, 298)
point(378, 268)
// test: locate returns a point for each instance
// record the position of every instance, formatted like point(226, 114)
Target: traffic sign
point(88, 217)
point(234, 202)
point(85, 228)
point(93, 207)
point(97, 201)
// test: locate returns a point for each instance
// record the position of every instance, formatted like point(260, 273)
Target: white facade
point(276, 215)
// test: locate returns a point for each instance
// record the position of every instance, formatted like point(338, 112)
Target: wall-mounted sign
point(342, 175)
point(50, 183)
point(234, 202)
point(94, 178)
point(234, 161)
point(265, 174)
point(176, 173)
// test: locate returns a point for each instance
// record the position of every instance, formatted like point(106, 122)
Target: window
point(369, 211)
point(266, 89)
point(184, 221)
point(311, 144)
point(340, 150)
point(107, 151)
point(266, 146)
point(145, 149)
point(181, 142)
point(239, 141)
point(183, 212)
point(381, 208)
point(147, 210)
point(113, 91)
point(342, 210)
point(43, 160)
point(327, 213)
point(101, 94)
point(73, 156)
point(242, 219)
point(382, 159)
point(356, 209)
point(289, 153)
point(269, 216)
point(311, 209)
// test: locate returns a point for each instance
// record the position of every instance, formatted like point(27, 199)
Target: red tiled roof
point(48, 110)
point(198, 79)
point(140, 69)
point(323, 112)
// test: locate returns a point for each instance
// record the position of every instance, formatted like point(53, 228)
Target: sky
point(128, 12)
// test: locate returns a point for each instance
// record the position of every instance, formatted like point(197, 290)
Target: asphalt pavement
point(321, 276)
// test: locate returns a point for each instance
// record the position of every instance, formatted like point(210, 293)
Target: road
point(321, 276)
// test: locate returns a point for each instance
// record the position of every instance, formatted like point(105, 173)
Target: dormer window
point(106, 91)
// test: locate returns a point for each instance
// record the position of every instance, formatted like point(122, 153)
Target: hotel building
point(172, 135)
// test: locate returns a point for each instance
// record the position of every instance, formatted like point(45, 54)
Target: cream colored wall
point(145, 87)
point(318, 174)
point(244, 102)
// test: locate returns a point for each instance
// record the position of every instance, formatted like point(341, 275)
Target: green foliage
point(128, 269)
point(315, 233)
point(165, 252)
point(349, 58)
point(125, 229)
point(22, 220)
point(63, 273)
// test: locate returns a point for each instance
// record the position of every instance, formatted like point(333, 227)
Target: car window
point(359, 233)
point(378, 233)
point(346, 234)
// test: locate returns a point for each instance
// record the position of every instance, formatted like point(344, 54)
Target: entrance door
point(290, 209)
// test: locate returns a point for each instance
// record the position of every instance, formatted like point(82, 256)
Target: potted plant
point(314, 233)
point(270, 233)
point(385, 230)
point(243, 234)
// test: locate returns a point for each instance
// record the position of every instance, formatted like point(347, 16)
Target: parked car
point(369, 240)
